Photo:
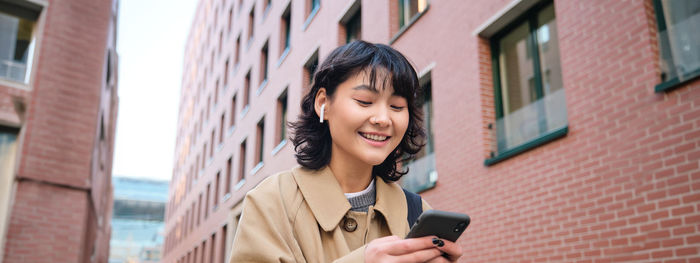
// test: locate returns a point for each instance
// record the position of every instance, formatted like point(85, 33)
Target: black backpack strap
point(415, 207)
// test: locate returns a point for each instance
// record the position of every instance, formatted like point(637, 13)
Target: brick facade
point(621, 185)
point(62, 195)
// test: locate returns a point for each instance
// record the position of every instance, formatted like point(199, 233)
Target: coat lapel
point(323, 194)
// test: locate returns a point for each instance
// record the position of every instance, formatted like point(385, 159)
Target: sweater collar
point(329, 205)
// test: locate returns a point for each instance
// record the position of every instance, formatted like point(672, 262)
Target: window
point(285, 32)
point(260, 138)
point(421, 170)
point(221, 40)
point(309, 69)
point(211, 147)
point(212, 246)
point(251, 24)
point(679, 41)
point(351, 23)
point(267, 5)
point(204, 246)
point(233, 112)
point(410, 9)
point(8, 147)
point(263, 67)
point(282, 117)
point(312, 7)
point(17, 25)
point(236, 51)
point(230, 19)
point(246, 90)
point(528, 90)
point(216, 92)
point(223, 244)
point(221, 128)
point(226, 73)
point(206, 204)
point(241, 163)
point(216, 189)
point(199, 209)
point(227, 186)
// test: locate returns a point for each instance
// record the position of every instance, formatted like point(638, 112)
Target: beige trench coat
point(302, 216)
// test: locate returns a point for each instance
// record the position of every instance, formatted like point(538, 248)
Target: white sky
point(150, 42)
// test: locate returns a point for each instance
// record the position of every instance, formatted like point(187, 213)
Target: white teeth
point(373, 137)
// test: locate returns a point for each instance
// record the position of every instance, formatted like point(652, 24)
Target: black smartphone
point(443, 224)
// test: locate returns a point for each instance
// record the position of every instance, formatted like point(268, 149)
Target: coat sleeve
point(264, 234)
point(356, 256)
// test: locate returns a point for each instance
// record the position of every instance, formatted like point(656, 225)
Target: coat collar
point(324, 196)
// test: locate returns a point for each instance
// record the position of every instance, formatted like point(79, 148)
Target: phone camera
point(460, 227)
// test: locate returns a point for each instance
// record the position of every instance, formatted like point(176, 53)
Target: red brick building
point(58, 106)
point(567, 130)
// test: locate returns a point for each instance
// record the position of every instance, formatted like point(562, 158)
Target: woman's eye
point(398, 108)
point(363, 102)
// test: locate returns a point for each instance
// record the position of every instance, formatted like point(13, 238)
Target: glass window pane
point(16, 35)
point(532, 99)
point(680, 41)
point(550, 69)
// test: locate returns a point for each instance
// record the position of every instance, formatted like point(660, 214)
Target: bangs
point(388, 67)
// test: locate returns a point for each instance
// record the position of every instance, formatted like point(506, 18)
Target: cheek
point(401, 123)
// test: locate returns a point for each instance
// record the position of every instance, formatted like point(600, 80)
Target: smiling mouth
point(374, 137)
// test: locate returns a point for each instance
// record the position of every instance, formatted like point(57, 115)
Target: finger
point(424, 255)
point(406, 246)
point(386, 239)
point(452, 249)
point(440, 259)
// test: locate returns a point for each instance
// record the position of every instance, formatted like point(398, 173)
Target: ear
point(321, 98)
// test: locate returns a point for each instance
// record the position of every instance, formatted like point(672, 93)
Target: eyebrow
point(372, 89)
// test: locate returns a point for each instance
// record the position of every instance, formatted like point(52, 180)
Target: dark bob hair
point(312, 140)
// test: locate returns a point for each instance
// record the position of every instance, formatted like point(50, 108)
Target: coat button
point(349, 224)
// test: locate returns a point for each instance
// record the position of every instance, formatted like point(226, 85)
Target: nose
point(380, 117)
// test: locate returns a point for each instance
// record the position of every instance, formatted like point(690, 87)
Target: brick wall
point(63, 198)
point(622, 185)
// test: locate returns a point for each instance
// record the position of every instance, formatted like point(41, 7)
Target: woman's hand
point(424, 249)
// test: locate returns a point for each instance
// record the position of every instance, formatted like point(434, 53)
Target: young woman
point(359, 120)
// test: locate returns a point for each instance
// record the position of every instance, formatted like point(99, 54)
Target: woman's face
point(366, 124)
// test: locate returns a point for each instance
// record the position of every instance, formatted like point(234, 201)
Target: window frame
point(674, 82)
point(528, 17)
point(411, 21)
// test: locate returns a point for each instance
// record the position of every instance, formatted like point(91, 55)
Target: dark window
point(408, 9)
point(237, 49)
point(223, 244)
point(263, 65)
point(285, 28)
point(679, 41)
point(260, 138)
point(230, 19)
point(282, 117)
point(227, 186)
point(206, 204)
point(226, 73)
point(421, 170)
point(353, 28)
point(221, 128)
point(17, 24)
point(233, 111)
point(309, 69)
point(241, 162)
point(246, 90)
point(251, 24)
point(212, 246)
point(528, 90)
point(216, 189)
